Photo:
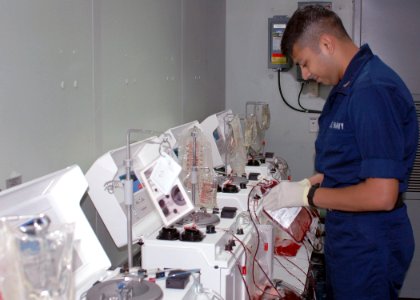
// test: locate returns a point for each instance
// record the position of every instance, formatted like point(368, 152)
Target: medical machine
point(231, 260)
point(225, 254)
point(213, 127)
point(105, 178)
point(58, 196)
point(55, 199)
point(175, 134)
point(184, 247)
point(234, 256)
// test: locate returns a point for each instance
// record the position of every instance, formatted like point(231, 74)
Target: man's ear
point(327, 43)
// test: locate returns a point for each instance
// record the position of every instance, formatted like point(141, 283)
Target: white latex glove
point(287, 194)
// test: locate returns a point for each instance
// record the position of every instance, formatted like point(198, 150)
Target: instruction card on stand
point(166, 191)
point(165, 173)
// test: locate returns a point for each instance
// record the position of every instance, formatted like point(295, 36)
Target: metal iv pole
point(129, 197)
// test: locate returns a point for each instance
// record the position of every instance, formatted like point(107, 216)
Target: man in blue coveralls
point(365, 150)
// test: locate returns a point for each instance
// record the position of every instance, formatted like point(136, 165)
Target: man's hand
point(287, 194)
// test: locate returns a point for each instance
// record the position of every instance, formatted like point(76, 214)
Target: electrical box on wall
point(276, 59)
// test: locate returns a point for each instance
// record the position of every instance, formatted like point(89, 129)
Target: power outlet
point(313, 124)
point(13, 181)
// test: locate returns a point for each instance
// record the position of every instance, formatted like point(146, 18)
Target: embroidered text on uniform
point(337, 125)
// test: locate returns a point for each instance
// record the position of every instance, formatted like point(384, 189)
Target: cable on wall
point(302, 109)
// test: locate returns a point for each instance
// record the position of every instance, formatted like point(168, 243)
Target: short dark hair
point(306, 26)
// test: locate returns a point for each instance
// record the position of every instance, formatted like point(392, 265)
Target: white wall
point(75, 75)
point(45, 122)
point(137, 67)
point(203, 55)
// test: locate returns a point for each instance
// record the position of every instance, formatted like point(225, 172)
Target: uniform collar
point(353, 69)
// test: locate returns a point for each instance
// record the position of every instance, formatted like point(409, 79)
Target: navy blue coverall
point(368, 129)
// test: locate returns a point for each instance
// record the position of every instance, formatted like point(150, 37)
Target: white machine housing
point(58, 196)
point(174, 134)
point(213, 127)
point(110, 206)
point(110, 167)
point(221, 270)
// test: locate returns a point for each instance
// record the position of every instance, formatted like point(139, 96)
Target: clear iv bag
point(250, 130)
point(11, 283)
point(237, 156)
point(36, 266)
point(257, 121)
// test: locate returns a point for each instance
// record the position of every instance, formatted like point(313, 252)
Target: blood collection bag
point(290, 228)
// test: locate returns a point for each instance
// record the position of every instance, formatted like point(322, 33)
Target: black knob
point(210, 229)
